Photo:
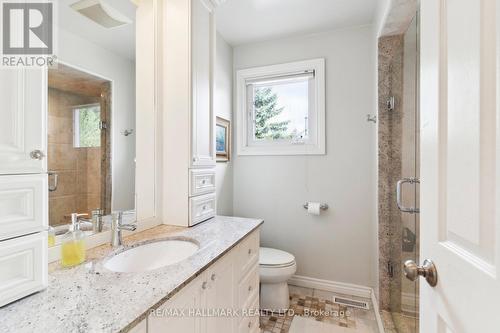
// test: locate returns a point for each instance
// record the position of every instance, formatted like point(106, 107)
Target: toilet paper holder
point(323, 206)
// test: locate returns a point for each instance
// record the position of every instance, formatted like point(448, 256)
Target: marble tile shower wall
point(78, 169)
point(390, 83)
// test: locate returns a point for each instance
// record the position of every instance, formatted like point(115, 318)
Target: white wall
point(223, 108)
point(338, 245)
point(80, 53)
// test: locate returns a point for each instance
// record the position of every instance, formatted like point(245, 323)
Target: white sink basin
point(152, 256)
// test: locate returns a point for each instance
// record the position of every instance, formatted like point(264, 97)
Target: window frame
point(316, 143)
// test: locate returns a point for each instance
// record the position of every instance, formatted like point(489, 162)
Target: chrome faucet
point(116, 229)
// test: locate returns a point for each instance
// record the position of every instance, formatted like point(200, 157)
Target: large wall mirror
point(91, 153)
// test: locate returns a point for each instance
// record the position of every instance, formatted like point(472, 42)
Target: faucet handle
point(117, 217)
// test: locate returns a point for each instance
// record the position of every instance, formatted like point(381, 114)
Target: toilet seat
point(273, 258)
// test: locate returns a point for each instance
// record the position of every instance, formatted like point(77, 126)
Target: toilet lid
point(274, 257)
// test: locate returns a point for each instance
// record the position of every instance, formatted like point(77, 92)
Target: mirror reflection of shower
point(78, 145)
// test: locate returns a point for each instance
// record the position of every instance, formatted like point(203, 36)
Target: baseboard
point(341, 288)
point(333, 286)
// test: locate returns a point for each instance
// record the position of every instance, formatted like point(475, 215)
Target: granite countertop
point(89, 298)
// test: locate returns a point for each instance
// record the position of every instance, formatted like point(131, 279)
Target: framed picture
point(223, 139)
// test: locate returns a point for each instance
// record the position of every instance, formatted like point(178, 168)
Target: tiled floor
point(318, 305)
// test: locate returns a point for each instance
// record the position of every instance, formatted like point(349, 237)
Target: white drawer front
point(23, 205)
point(248, 288)
point(201, 208)
point(23, 266)
point(250, 323)
point(248, 253)
point(201, 181)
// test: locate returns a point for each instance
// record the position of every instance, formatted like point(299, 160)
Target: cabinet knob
point(250, 288)
point(249, 324)
point(37, 155)
point(249, 251)
point(213, 277)
point(204, 285)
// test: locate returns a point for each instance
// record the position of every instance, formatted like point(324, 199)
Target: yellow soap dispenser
point(73, 244)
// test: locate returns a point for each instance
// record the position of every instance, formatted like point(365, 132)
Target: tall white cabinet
point(23, 183)
point(188, 58)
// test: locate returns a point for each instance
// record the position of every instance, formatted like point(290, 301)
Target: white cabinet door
point(23, 114)
point(176, 315)
point(221, 295)
point(23, 205)
point(460, 165)
point(202, 72)
point(23, 266)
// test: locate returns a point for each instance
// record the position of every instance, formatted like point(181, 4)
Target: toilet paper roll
point(314, 208)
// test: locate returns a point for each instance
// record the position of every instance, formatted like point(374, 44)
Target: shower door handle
point(53, 187)
point(399, 199)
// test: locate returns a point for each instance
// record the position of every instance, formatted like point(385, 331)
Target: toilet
point(276, 268)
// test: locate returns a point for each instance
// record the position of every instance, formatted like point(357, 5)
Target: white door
point(23, 119)
point(460, 166)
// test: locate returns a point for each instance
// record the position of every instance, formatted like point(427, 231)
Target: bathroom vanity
point(221, 275)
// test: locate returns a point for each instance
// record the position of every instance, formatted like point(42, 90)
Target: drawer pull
point(249, 251)
point(204, 207)
point(250, 288)
point(249, 324)
point(203, 182)
point(213, 277)
point(204, 285)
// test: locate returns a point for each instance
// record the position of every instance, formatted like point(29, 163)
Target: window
point(87, 126)
point(282, 109)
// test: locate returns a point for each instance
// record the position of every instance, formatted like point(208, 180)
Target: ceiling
point(120, 40)
point(247, 21)
point(68, 79)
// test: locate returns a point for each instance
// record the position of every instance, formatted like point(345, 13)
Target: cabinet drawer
point(201, 181)
point(248, 253)
point(248, 288)
point(23, 266)
point(250, 323)
point(201, 208)
point(23, 205)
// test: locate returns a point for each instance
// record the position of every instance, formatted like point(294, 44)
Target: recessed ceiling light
point(101, 13)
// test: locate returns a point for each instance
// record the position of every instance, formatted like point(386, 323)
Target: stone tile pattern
point(398, 323)
point(390, 76)
point(304, 303)
point(106, 179)
point(78, 169)
point(89, 298)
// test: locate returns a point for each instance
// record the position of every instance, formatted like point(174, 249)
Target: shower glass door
point(405, 313)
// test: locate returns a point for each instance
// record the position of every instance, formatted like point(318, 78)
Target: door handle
point(37, 155)
point(427, 270)
point(399, 199)
point(53, 187)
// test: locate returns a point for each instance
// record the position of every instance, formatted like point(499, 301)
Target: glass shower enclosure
point(398, 177)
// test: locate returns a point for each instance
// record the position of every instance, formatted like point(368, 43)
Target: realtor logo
point(27, 28)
